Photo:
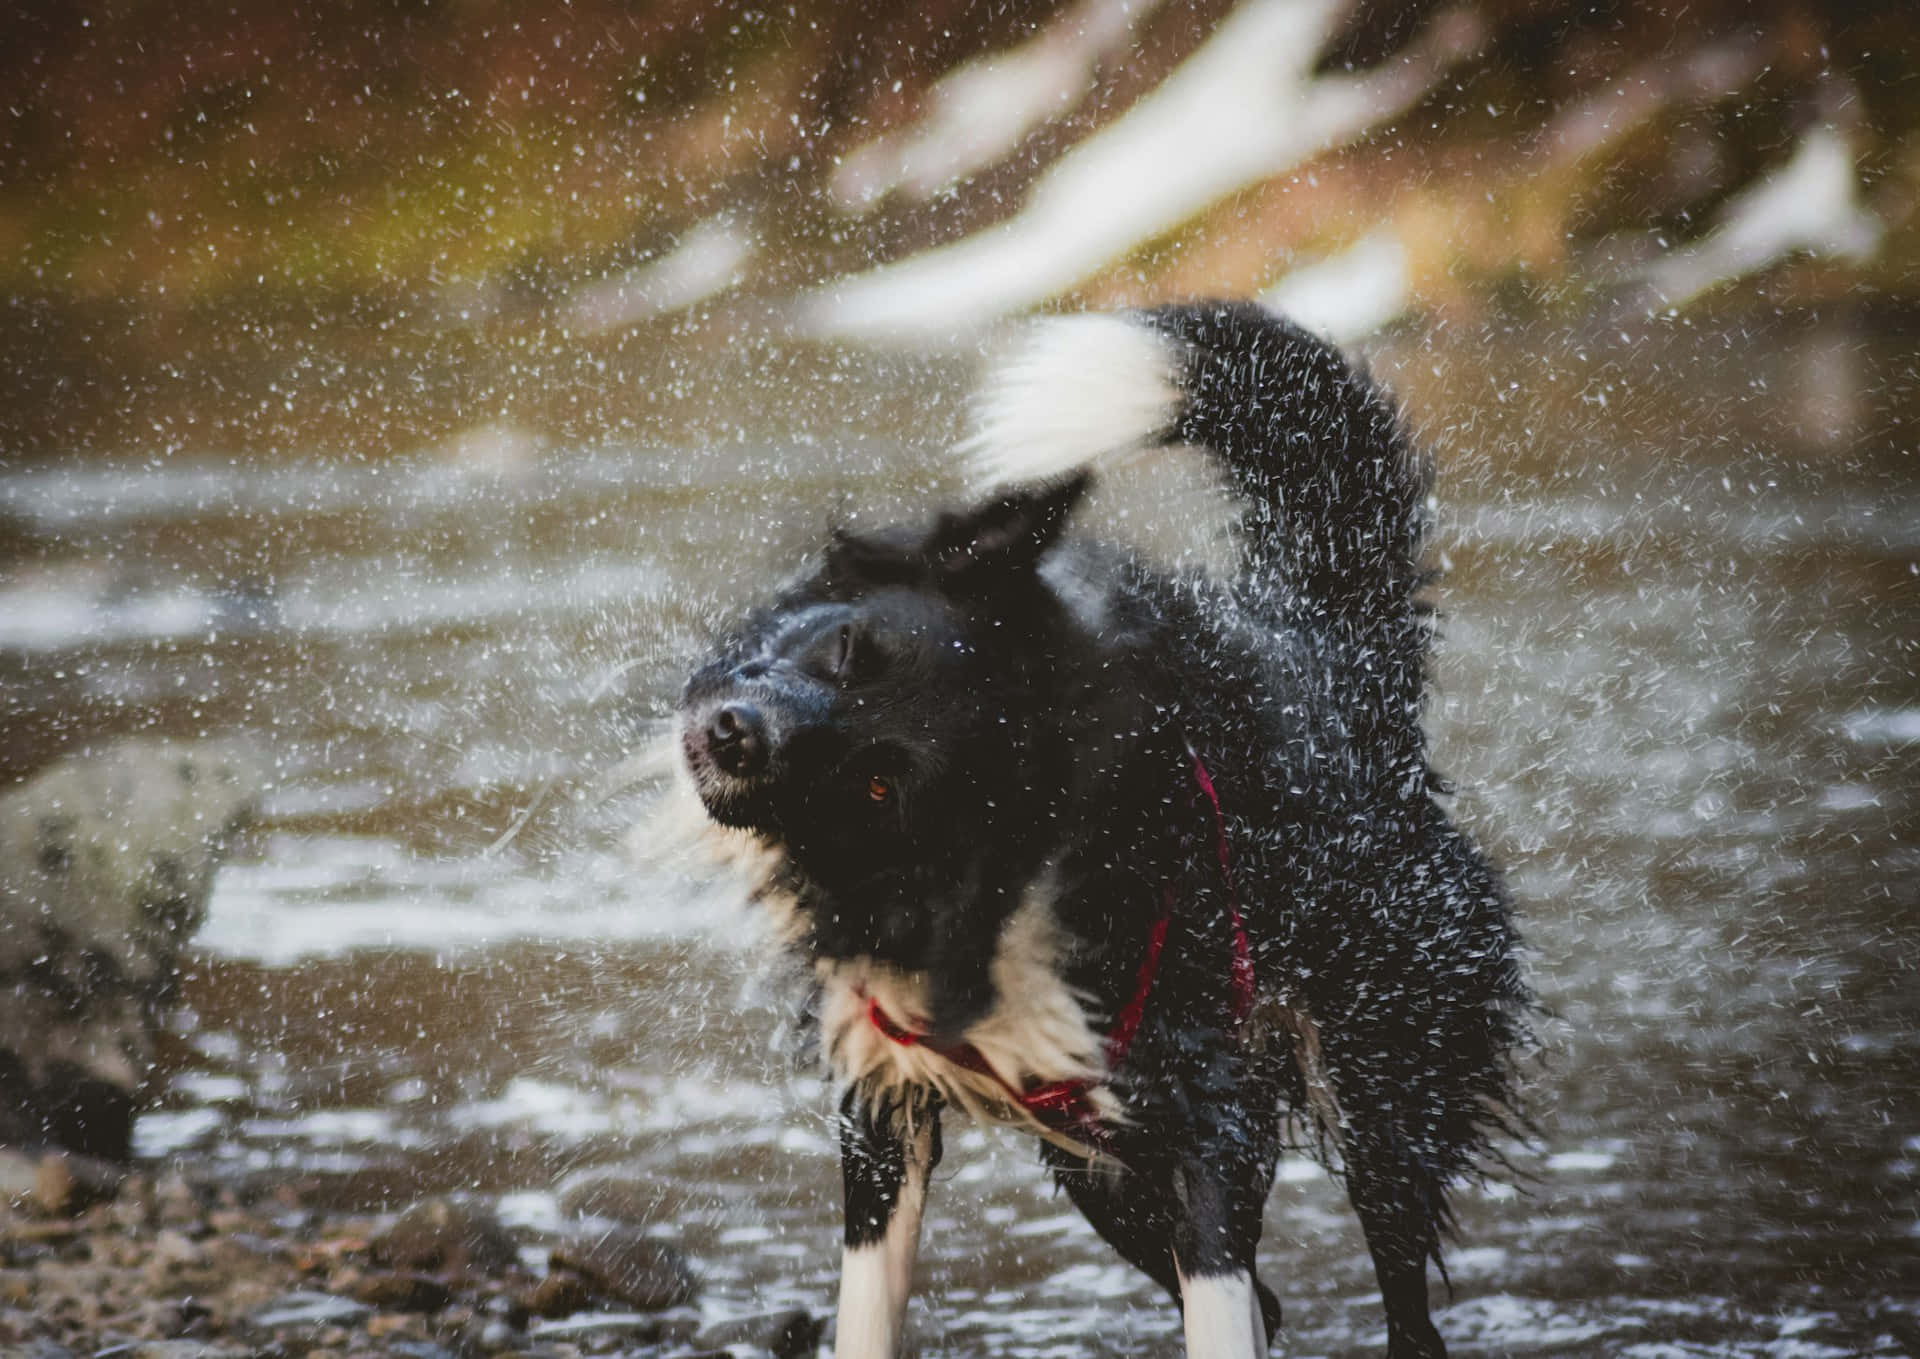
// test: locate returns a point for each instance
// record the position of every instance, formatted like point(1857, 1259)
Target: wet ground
point(1678, 691)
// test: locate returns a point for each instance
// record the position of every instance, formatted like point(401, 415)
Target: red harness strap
point(1242, 954)
point(1067, 1106)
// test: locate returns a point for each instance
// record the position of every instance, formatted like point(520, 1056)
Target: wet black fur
point(1011, 735)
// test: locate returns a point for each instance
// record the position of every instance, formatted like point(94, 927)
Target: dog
point(1148, 861)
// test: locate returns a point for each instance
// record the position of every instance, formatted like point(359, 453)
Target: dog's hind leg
point(889, 1145)
point(1229, 1313)
point(1124, 1209)
point(1398, 1203)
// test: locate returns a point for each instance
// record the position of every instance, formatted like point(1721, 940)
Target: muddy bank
point(164, 1266)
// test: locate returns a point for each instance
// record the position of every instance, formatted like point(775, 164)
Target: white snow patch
point(1468, 1261)
point(329, 895)
point(1762, 1349)
point(709, 259)
point(1882, 726)
point(1582, 1160)
point(1298, 1170)
point(1847, 797)
point(535, 1209)
point(981, 111)
point(1243, 108)
point(655, 1104)
point(205, 1087)
point(1349, 295)
point(1811, 203)
point(162, 1132)
point(1503, 1320)
point(337, 1128)
point(1096, 1280)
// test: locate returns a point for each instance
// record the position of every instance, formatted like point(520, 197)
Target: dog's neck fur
point(1049, 979)
point(1039, 1030)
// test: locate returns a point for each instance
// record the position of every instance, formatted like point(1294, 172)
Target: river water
point(1677, 689)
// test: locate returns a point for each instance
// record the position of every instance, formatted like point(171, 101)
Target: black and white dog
point(1146, 861)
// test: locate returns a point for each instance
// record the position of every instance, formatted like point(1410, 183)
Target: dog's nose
point(737, 737)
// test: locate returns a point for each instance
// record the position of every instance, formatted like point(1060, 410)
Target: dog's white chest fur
point(1037, 1033)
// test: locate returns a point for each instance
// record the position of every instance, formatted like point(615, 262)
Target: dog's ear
point(854, 561)
point(1002, 537)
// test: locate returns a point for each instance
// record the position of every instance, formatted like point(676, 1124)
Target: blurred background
point(364, 228)
point(393, 395)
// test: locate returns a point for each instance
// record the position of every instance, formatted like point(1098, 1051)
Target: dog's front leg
point(1213, 1245)
point(889, 1145)
point(1222, 1315)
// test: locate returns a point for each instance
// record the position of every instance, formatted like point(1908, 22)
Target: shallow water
point(1677, 689)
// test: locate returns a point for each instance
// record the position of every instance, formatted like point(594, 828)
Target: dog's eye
point(879, 789)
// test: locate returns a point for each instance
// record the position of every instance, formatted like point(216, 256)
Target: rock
point(447, 1236)
point(787, 1335)
point(19, 1176)
point(307, 1311)
point(16, 1287)
point(403, 1292)
point(485, 1335)
point(175, 1203)
point(628, 1266)
point(419, 1349)
point(639, 1197)
point(395, 1326)
point(175, 1248)
point(67, 1183)
point(561, 1293)
point(106, 862)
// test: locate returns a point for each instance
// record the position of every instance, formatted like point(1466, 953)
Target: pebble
point(624, 1264)
point(487, 1334)
point(560, 1294)
point(389, 1324)
point(16, 1287)
point(420, 1349)
point(446, 1235)
point(66, 1183)
point(636, 1197)
point(173, 1248)
point(787, 1335)
point(44, 1349)
point(19, 1174)
point(166, 1283)
point(175, 1203)
point(402, 1292)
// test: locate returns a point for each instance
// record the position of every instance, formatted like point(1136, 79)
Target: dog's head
point(881, 723)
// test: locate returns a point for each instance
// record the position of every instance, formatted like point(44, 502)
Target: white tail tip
point(1069, 392)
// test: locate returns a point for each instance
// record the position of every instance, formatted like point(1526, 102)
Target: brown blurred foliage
point(342, 223)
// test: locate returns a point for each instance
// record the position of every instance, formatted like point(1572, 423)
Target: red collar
point(1067, 1106)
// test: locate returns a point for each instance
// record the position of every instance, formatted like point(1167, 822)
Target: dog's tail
point(1334, 495)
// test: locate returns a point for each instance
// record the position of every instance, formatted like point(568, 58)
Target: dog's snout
point(737, 739)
